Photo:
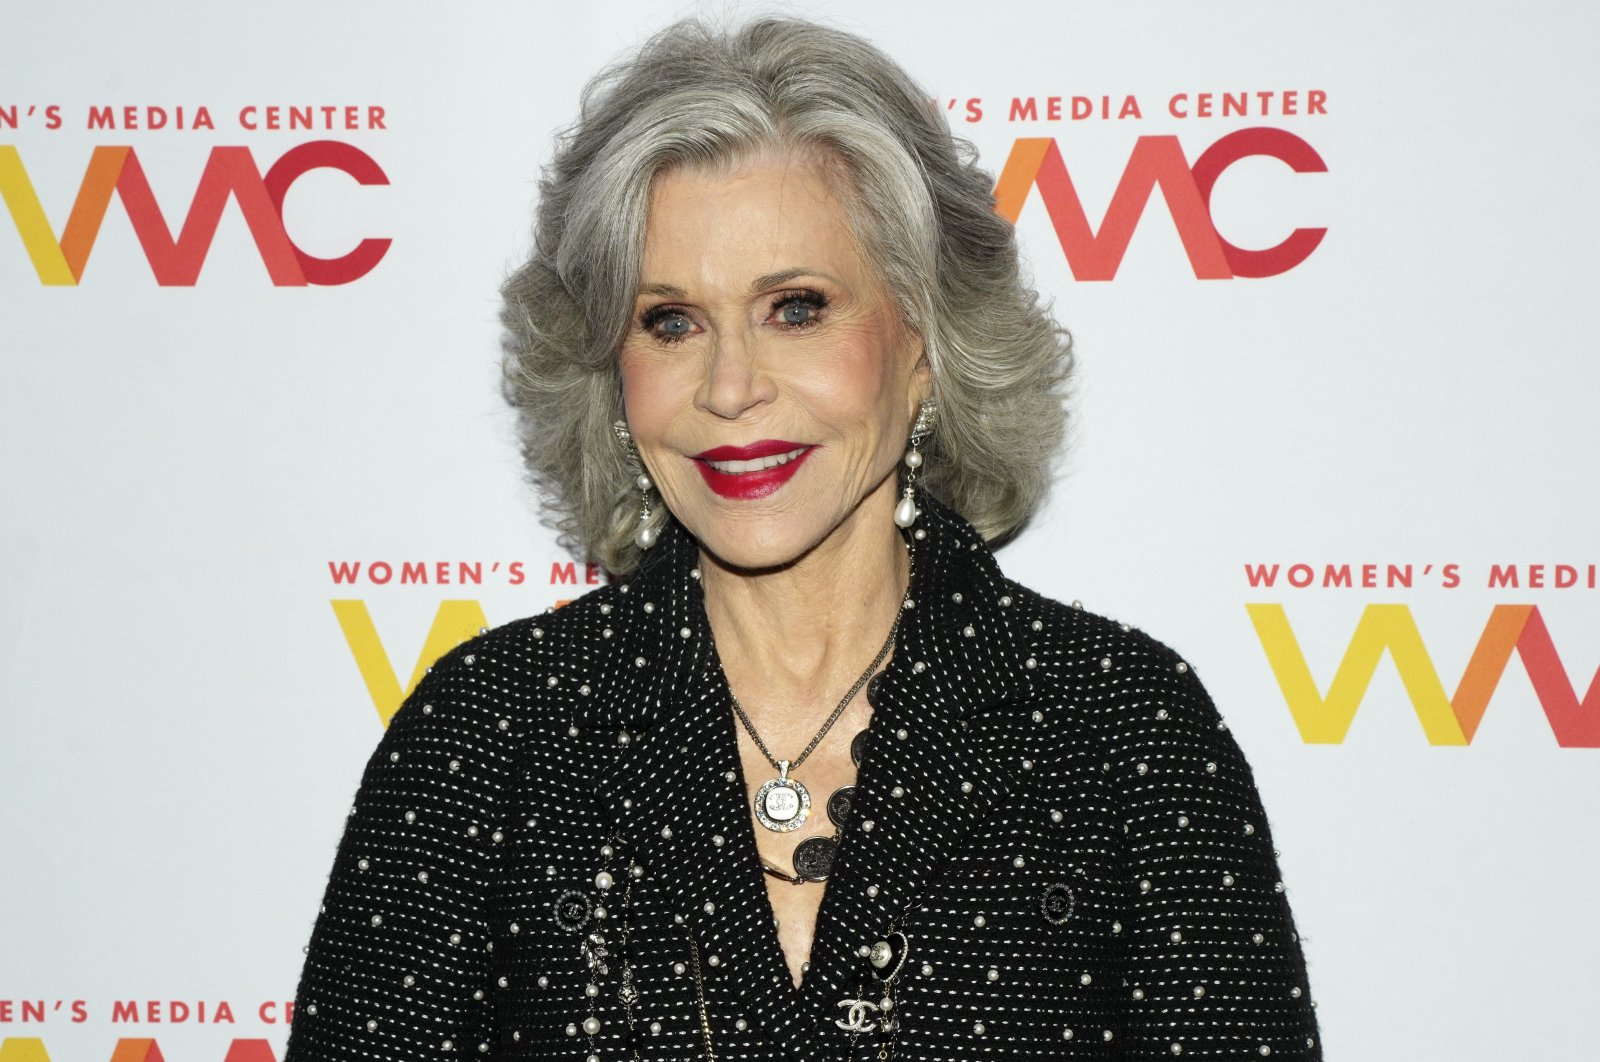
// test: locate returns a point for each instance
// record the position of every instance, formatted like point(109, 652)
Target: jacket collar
point(943, 746)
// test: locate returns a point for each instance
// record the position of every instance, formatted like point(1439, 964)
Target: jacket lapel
point(677, 790)
point(944, 746)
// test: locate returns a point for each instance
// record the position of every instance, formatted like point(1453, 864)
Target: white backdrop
point(182, 469)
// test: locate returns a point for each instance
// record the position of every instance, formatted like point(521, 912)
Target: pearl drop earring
point(906, 511)
point(646, 536)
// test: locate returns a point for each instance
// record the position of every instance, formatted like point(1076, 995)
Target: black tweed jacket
point(551, 854)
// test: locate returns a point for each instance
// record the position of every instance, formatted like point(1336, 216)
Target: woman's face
point(768, 383)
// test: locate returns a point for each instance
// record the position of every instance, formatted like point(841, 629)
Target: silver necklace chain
point(793, 764)
point(833, 718)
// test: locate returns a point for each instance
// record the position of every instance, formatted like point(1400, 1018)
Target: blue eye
point(666, 324)
point(799, 309)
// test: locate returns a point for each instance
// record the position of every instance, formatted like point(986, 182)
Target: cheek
point(645, 396)
point(632, 383)
point(861, 391)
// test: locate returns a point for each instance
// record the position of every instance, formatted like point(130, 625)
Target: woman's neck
point(792, 640)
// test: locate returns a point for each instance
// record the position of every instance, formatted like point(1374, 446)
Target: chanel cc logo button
point(1057, 903)
point(572, 910)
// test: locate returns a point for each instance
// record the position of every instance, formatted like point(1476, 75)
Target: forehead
point(725, 224)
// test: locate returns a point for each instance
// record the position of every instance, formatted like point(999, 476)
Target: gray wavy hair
point(697, 95)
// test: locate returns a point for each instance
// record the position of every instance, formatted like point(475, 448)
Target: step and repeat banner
point(1329, 270)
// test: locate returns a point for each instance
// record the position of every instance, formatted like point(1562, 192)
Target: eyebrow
point(761, 283)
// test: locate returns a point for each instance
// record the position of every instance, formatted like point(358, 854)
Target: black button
point(858, 748)
point(839, 805)
point(875, 689)
point(572, 910)
point(813, 858)
point(1058, 903)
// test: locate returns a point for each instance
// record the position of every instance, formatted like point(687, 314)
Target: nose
point(735, 381)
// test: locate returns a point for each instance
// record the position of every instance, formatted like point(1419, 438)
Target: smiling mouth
point(752, 471)
point(756, 464)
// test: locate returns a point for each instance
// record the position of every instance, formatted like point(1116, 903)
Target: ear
point(920, 384)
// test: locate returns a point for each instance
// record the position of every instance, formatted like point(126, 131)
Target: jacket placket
point(942, 749)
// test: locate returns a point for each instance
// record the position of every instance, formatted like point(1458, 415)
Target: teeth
point(756, 464)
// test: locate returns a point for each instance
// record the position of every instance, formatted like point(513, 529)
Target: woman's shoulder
point(1135, 706)
point(572, 631)
point(1111, 672)
point(1077, 638)
point(521, 675)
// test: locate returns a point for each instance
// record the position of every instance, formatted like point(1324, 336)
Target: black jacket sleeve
point(1214, 967)
point(400, 963)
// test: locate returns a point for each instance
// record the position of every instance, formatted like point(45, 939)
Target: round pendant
point(782, 804)
point(839, 805)
point(813, 858)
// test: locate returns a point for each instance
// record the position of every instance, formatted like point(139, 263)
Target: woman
point(817, 780)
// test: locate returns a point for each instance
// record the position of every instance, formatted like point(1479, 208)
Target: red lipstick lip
point(763, 448)
point(746, 486)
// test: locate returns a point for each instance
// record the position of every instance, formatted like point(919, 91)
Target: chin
point(746, 556)
point(754, 546)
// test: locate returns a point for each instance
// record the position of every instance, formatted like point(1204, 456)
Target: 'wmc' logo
point(1157, 162)
point(230, 171)
point(1445, 720)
